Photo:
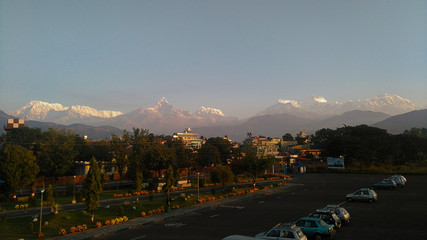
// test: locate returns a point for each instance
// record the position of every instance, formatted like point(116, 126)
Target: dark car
point(328, 216)
point(340, 212)
point(385, 184)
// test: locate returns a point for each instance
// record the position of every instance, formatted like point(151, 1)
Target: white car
point(364, 194)
point(283, 232)
point(340, 212)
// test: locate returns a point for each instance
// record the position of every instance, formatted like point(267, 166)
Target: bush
point(151, 197)
point(34, 202)
point(4, 218)
point(79, 195)
point(30, 227)
point(120, 210)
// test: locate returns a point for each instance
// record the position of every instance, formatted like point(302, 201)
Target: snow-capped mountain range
point(163, 118)
point(317, 107)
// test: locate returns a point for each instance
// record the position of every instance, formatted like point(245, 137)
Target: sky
point(240, 56)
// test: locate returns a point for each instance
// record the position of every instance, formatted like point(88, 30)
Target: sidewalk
point(135, 223)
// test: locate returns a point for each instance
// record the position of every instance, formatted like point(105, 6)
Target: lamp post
point(41, 211)
point(74, 190)
point(198, 186)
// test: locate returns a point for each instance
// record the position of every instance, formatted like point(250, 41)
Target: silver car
point(283, 232)
point(399, 180)
point(364, 194)
point(340, 212)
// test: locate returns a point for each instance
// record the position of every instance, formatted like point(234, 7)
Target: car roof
point(287, 226)
point(309, 218)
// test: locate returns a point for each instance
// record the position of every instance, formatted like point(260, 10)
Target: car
point(315, 227)
point(363, 194)
point(385, 184)
point(340, 212)
point(328, 216)
point(400, 182)
point(283, 232)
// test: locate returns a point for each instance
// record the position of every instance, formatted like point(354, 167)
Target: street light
point(198, 186)
point(41, 211)
point(74, 190)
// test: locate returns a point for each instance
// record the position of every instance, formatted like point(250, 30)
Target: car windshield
point(322, 223)
point(336, 218)
point(299, 233)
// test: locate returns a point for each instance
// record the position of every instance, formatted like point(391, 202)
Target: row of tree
point(364, 145)
point(28, 153)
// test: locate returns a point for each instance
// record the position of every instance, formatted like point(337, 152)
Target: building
point(14, 123)
point(190, 139)
point(265, 146)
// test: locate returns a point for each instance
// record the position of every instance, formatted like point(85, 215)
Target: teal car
point(315, 227)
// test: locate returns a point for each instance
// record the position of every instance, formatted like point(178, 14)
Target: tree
point(170, 182)
point(223, 175)
point(18, 167)
point(287, 137)
point(257, 165)
point(57, 153)
point(121, 148)
point(209, 155)
point(93, 187)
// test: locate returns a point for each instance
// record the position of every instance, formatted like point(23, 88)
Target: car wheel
point(349, 199)
point(317, 237)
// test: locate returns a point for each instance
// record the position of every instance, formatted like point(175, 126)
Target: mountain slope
point(398, 124)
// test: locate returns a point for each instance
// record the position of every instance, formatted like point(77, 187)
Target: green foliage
point(57, 153)
point(222, 174)
point(79, 195)
point(4, 218)
point(121, 151)
point(18, 167)
point(30, 227)
point(93, 186)
point(49, 194)
point(120, 210)
point(363, 145)
point(209, 155)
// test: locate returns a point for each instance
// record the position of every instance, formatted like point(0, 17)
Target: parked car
point(283, 232)
point(328, 216)
point(400, 182)
point(315, 227)
point(238, 237)
point(364, 194)
point(385, 184)
point(340, 212)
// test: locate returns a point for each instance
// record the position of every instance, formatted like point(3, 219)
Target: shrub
point(120, 210)
point(30, 227)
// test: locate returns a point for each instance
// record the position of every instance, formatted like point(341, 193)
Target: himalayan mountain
point(287, 116)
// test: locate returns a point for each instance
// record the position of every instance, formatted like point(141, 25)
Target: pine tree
point(93, 187)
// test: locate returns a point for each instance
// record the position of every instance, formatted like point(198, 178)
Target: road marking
point(138, 238)
point(216, 215)
point(261, 202)
point(176, 225)
point(238, 207)
point(341, 203)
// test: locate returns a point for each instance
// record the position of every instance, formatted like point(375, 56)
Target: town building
point(14, 123)
point(190, 139)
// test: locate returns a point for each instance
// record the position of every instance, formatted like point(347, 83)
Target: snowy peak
point(37, 110)
point(291, 102)
point(55, 112)
point(319, 99)
point(318, 106)
point(209, 112)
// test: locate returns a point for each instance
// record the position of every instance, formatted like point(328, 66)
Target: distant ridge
point(398, 124)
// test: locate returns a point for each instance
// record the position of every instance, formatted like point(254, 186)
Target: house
point(190, 139)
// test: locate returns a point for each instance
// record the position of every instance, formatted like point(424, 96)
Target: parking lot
point(398, 214)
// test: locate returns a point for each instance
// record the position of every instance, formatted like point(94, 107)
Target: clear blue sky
point(238, 56)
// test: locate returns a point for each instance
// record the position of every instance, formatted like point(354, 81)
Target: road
point(398, 214)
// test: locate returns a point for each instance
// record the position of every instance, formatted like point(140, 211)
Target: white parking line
point(216, 215)
point(138, 238)
point(341, 203)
